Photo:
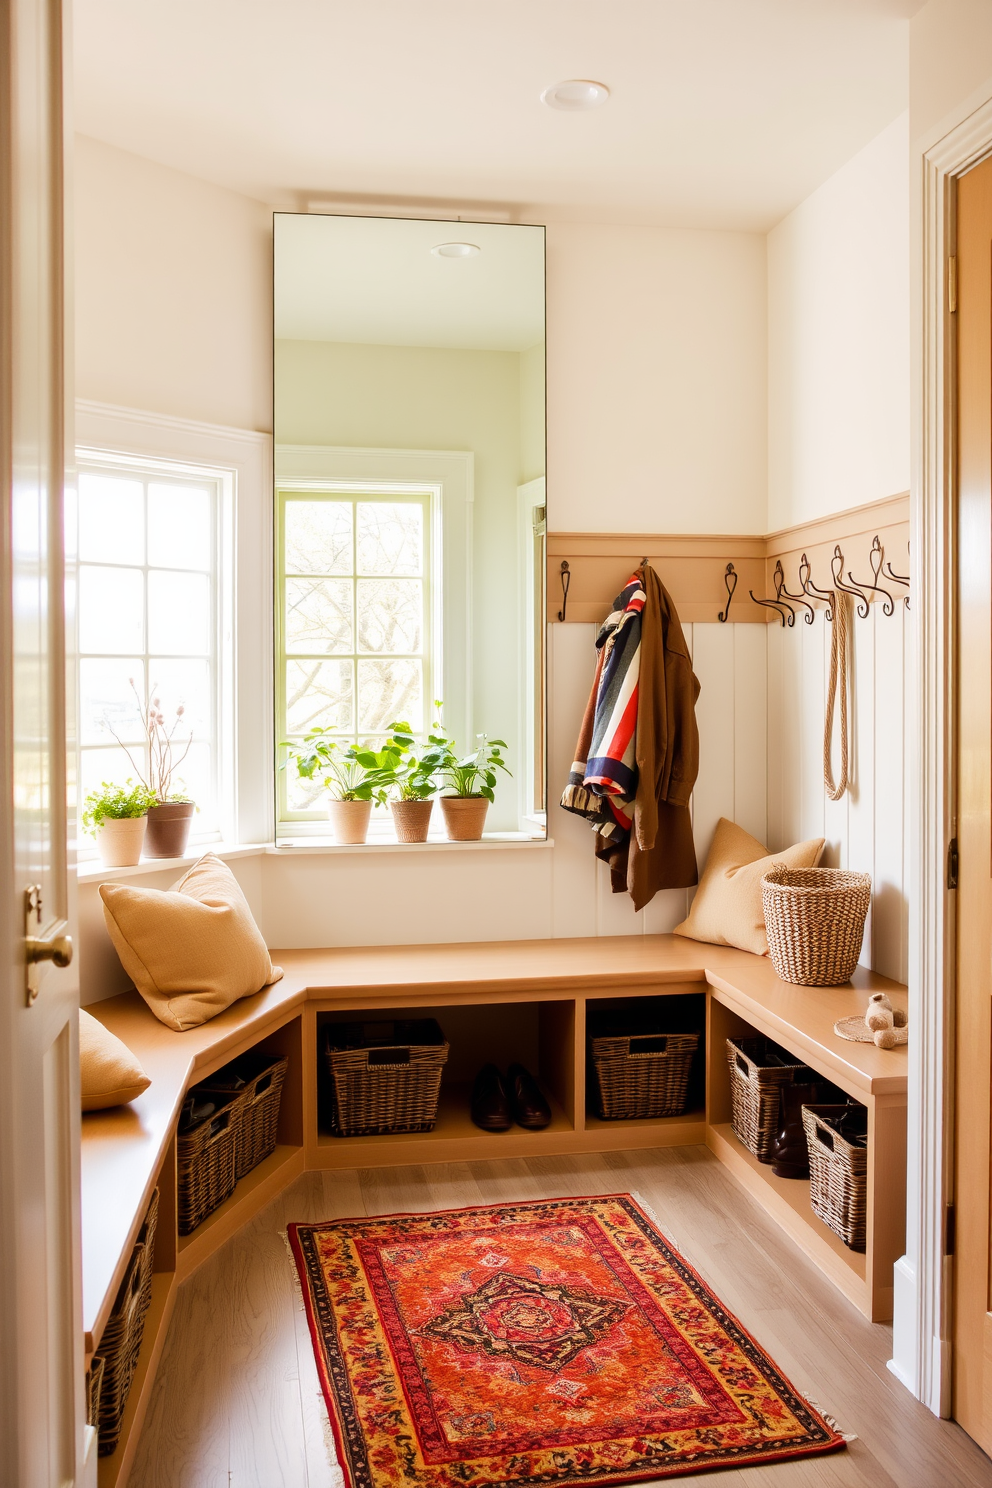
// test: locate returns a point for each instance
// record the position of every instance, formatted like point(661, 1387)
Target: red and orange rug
point(558, 1342)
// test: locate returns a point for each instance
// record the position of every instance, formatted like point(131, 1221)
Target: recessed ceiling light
point(575, 96)
point(456, 250)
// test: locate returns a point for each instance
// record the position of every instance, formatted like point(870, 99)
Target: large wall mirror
point(410, 496)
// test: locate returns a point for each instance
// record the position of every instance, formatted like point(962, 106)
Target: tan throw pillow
point(727, 907)
point(190, 950)
point(109, 1074)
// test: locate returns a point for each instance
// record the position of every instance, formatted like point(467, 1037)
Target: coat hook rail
point(777, 604)
point(730, 580)
point(566, 579)
point(783, 593)
point(837, 569)
point(808, 587)
point(876, 558)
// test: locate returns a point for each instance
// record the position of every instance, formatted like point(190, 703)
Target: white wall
point(173, 292)
point(838, 339)
point(950, 61)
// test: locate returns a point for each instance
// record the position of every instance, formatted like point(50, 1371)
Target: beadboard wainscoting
point(867, 829)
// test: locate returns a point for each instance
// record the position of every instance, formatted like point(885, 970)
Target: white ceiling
point(724, 113)
point(376, 281)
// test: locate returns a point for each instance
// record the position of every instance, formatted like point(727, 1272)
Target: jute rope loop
point(839, 648)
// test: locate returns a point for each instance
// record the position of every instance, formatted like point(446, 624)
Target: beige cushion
point(190, 950)
point(727, 907)
point(109, 1074)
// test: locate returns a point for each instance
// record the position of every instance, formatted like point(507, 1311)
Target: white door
point(41, 1435)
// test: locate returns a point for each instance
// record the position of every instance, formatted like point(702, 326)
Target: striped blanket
point(602, 783)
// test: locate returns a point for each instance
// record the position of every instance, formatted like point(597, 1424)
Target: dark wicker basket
point(258, 1103)
point(94, 1383)
point(206, 1161)
point(815, 921)
point(385, 1077)
point(642, 1074)
point(758, 1070)
point(121, 1340)
point(838, 1169)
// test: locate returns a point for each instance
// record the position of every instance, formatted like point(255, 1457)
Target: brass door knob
point(58, 949)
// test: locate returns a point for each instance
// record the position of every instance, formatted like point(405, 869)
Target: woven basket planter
point(207, 1164)
point(758, 1070)
point(121, 1340)
point(642, 1074)
point(815, 920)
point(838, 1170)
point(257, 1102)
point(385, 1077)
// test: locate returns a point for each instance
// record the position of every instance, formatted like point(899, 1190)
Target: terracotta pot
point(168, 829)
point(349, 821)
point(411, 819)
point(119, 841)
point(464, 817)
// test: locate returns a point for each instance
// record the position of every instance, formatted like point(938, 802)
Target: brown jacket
point(660, 853)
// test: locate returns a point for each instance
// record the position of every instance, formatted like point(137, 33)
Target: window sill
point(94, 872)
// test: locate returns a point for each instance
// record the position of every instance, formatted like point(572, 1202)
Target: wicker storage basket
point(94, 1382)
point(641, 1073)
point(758, 1070)
point(121, 1341)
point(815, 920)
point(258, 1103)
point(206, 1161)
point(838, 1169)
point(385, 1077)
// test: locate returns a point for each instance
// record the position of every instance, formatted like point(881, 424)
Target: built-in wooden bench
point(530, 997)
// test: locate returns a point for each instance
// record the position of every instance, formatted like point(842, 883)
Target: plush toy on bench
point(882, 1024)
point(190, 950)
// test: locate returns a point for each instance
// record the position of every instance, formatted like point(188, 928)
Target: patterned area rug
point(563, 1341)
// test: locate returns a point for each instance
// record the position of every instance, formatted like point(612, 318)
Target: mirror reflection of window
point(410, 463)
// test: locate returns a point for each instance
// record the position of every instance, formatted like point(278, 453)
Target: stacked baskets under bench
point(384, 1077)
point(239, 1134)
point(112, 1369)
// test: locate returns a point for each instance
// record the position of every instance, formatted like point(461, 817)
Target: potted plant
point(471, 782)
point(116, 815)
point(170, 816)
point(412, 786)
point(354, 778)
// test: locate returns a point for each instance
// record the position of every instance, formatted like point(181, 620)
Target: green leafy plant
point(471, 774)
point(347, 774)
point(412, 770)
point(116, 803)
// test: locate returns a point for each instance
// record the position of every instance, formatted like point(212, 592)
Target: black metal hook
point(730, 580)
point(836, 569)
point(875, 558)
point(566, 580)
point(777, 604)
point(783, 593)
point(808, 587)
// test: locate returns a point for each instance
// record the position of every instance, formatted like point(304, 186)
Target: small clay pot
point(349, 821)
point(119, 840)
point(411, 819)
point(464, 817)
point(168, 829)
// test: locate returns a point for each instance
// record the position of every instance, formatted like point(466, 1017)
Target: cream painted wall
point(838, 339)
point(656, 380)
point(173, 291)
point(950, 62)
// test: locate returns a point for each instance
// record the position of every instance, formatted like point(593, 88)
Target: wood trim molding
point(693, 566)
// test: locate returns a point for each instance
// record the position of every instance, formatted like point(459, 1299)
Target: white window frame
point(449, 476)
point(241, 461)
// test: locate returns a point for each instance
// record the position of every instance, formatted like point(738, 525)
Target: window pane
point(111, 519)
point(390, 537)
point(319, 694)
point(194, 778)
point(185, 683)
point(178, 614)
point(179, 526)
point(112, 765)
point(318, 537)
point(111, 610)
point(318, 615)
point(304, 795)
point(390, 614)
point(105, 696)
point(388, 690)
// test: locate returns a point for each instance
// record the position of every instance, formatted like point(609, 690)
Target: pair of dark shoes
point(498, 1103)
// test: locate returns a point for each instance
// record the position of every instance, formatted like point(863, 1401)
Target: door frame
point(924, 1276)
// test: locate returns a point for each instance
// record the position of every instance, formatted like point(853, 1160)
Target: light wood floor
point(237, 1403)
